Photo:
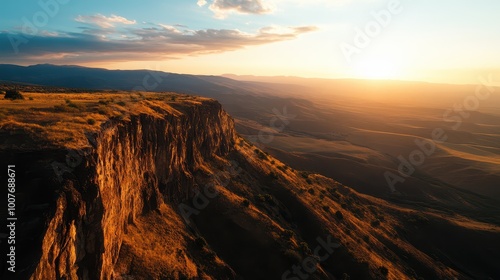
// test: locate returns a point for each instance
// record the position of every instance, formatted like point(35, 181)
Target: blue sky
point(443, 41)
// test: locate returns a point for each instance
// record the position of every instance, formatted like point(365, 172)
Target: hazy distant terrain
point(372, 135)
point(352, 131)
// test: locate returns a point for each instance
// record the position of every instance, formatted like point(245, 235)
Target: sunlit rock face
point(134, 165)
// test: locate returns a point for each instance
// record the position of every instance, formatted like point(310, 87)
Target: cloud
point(156, 42)
point(104, 21)
point(273, 30)
point(222, 8)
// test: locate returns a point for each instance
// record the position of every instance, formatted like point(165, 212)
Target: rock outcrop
point(130, 168)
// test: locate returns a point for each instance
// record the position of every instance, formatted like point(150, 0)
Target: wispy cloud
point(155, 42)
point(104, 21)
point(222, 8)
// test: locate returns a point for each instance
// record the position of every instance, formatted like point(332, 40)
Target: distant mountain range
point(96, 78)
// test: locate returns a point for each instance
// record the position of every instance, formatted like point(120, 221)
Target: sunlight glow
point(377, 69)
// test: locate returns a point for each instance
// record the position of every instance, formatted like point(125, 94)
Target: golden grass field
point(63, 118)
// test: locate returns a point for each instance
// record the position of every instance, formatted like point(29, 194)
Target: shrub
point(13, 94)
point(91, 121)
point(103, 111)
point(311, 191)
point(31, 98)
point(272, 175)
point(245, 203)
point(260, 154)
point(375, 223)
point(121, 103)
point(309, 181)
point(283, 168)
point(358, 212)
point(266, 198)
point(304, 248)
point(326, 208)
point(63, 108)
point(59, 108)
point(339, 215)
point(72, 105)
point(269, 199)
point(288, 234)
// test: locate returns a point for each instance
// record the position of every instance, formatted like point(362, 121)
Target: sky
point(438, 41)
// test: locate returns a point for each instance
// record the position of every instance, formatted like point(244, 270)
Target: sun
point(377, 69)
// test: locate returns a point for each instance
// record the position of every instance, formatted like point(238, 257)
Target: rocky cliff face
point(132, 167)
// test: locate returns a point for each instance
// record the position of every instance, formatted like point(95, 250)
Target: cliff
point(134, 166)
point(128, 168)
point(159, 186)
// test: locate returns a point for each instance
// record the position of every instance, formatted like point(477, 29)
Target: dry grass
point(61, 119)
point(155, 245)
point(372, 231)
